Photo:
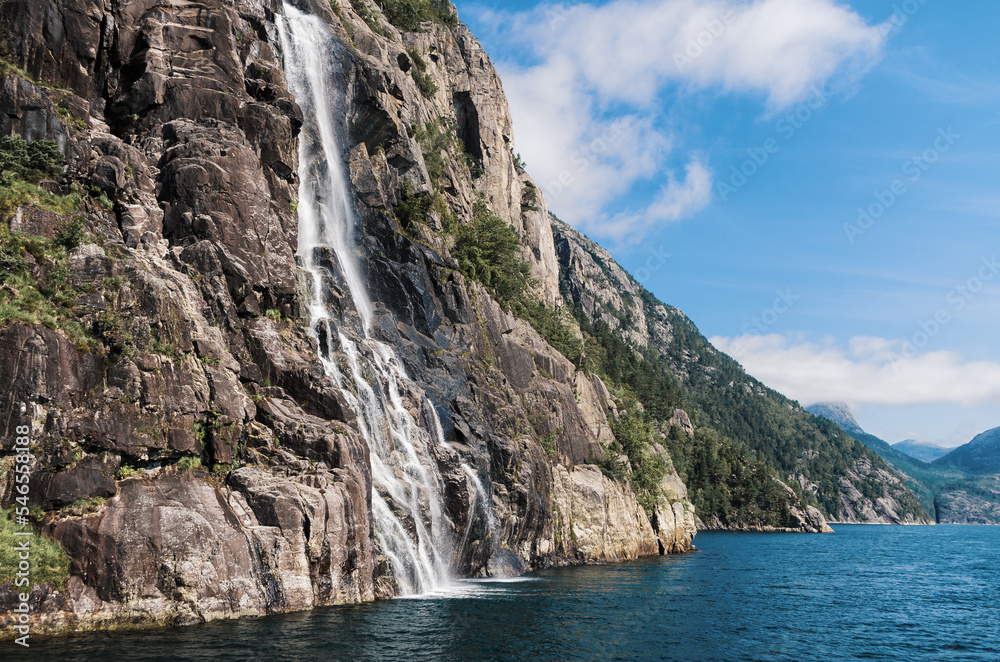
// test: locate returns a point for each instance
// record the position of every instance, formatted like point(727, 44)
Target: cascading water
point(325, 214)
point(411, 528)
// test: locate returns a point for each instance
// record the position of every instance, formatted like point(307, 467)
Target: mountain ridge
point(979, 456)
point(724, 397)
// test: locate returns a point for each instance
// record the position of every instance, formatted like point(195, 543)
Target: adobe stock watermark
point(655, 260)
point(557, 15)
point(22, 537)
point(763, 322)
point(758, 157)
point(583, 159)
point(956, 301)
point(901, 15)
point(701, 42)
point(914, 168)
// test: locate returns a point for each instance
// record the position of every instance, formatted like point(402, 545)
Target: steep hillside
point(824, 466)
point(979, 456)
point(192, 456)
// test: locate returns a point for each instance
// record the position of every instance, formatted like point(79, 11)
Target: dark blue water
point(864, 593)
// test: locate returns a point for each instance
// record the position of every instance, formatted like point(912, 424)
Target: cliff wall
point(192, 457)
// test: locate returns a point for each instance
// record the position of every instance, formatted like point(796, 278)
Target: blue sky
point(829, 107)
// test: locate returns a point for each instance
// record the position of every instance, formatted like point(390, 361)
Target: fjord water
point(863, 593)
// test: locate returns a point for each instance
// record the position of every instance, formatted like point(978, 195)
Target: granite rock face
point(973, 502)
point(195, 461)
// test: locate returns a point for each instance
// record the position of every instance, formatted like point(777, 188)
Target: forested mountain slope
point(739, 416)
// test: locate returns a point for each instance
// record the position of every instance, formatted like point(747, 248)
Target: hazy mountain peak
point(921, 450)
point(838, 412)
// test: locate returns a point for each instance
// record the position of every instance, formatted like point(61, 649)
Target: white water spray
point(325, 214)
point(407, 497)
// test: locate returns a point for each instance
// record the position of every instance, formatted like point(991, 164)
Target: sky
point(815, 183)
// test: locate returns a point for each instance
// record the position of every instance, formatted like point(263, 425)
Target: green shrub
point(415, 208)
point(163, 348)
point(49, 301)
point(16, 193)
point(104, 201)
point(611, 465)
point(71, 233)
point(442, 136)
point(555, 325)
point(12, 263)
point(634, 435)
point(365, 12)
point(419, 72)
point(529, 198)
point(407, 15)
point(30, 162)
point(48, 559)
point(488, 250)
point(433, 141)
point(82, 507)
point(425, 83)
point(189, 463)
point(335, 6)
point(519, 164)
point(548, 442)
point(125, 471)
point(113, 329)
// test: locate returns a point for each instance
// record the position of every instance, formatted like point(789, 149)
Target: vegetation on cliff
point(48, 559)
point(22, 167)
point(35, 285)
point(407, 15)
point(487, 250)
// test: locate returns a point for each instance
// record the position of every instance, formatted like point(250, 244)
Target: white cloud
point(870, 370)
point(677, 200)
point(586, 116)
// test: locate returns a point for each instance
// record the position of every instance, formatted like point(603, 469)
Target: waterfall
point(326, 218)
point(411, 528)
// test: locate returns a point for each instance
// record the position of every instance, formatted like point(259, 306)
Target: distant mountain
point(979, 456)
point(944, 489)
point(920, 450)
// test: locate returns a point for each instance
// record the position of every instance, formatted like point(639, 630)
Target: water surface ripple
point(864, 593)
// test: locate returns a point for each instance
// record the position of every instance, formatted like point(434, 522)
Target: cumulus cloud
point(586, 107)
point(870, 370)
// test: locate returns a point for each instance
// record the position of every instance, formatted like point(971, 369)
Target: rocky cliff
point(192, 455)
